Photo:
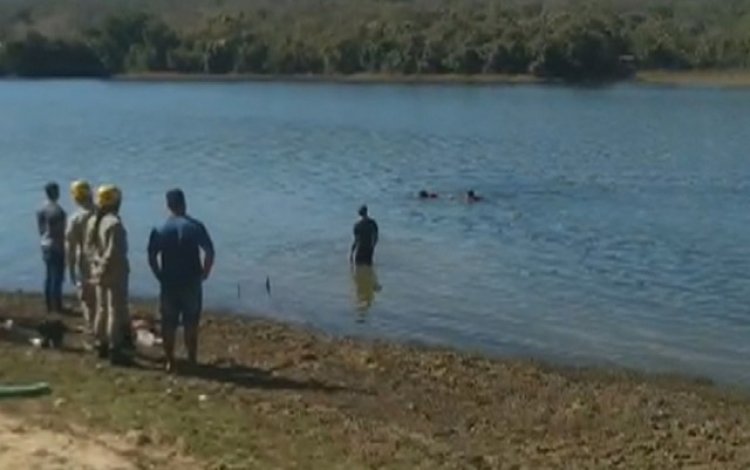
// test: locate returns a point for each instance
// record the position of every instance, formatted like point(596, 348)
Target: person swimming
point(424, 194)
point(471, 197)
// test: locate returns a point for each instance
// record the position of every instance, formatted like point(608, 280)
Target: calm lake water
point(615, 228)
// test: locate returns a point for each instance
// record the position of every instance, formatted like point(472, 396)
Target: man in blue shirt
point(174, 257)
point(51, 223)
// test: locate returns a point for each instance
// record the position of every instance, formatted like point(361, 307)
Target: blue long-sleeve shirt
point(51, 223)
point(174, 251)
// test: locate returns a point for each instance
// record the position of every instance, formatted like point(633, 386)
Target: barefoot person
point(365, 239)
point(51, 223)
point(174, 257)
point(78, 260)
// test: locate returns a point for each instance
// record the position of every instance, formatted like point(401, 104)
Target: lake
point(614, 229)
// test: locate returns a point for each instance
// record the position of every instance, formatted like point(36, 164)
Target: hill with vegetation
point(558, 39)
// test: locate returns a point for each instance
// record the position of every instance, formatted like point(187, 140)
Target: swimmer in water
point(423, 194)
point(471, 197)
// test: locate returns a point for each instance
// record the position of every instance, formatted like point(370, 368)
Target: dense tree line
point(566, 39)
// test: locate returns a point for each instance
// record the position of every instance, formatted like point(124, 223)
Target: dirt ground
point(30, 447)
point(269, 395)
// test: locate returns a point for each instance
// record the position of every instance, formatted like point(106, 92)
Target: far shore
point(707, 78)
point(711, 78)
point(271, 395)
point(363, 78)
point(686, 78)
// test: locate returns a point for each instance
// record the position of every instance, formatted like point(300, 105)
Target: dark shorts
point(363, 257)
point(181, 306)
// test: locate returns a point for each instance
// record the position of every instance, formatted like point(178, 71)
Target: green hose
point(22, 391)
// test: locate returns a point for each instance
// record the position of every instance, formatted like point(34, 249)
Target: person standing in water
point(110, 270)
point(365, 239)
point(51, 223)
point(174, 257)
point(366, 285)
point(78, 259)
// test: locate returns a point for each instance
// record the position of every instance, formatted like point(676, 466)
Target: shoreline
point(354, 79)
point(693, 78)
point(696, 78)
point(147, 307)
point(725, 79)
point(271, 395)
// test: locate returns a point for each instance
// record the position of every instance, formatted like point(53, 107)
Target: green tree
point(568, 39)
point(134, 41)
point(580, 49)
point(38, 56)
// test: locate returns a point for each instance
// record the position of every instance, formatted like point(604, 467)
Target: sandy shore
point(688, 78)
point(717, 78)
point(269, 395)
point(361, 78)
point(704, 78)
point(30, 446)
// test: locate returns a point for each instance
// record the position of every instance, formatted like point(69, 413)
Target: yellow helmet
point(108, 195)
point(80, 191)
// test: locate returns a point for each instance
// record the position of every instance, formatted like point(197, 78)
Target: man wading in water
point(365, 239)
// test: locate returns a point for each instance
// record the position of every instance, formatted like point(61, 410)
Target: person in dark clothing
point(174, 257)
point(51, 221)
point(365, 239)
point(424, 194)
point(472, 197)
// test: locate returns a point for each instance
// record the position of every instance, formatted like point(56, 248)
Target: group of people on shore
point(93, 245)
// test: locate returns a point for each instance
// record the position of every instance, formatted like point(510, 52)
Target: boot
point(102, 350)
point(118, 358)
point(127, 340)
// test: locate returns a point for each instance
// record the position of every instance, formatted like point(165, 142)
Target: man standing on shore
point(51, 223)
point(110, 272)
point(365, 239)
point(78, 260)
point(174, 257)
